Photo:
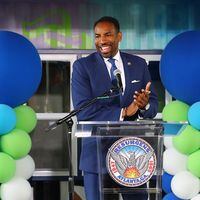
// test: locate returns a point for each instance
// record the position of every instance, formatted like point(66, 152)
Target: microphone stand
point(68, 120)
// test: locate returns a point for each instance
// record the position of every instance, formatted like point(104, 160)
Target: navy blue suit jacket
point(90, 78)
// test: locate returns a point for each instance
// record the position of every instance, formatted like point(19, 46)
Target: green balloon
point(16, 143)
point(175, 111)
point(188, 141)
point(193, 163)
point(7, 167)
point(26, 118)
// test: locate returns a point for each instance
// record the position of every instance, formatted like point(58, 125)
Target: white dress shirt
point(119, 65)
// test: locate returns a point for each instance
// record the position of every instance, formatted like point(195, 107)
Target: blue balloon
point(180, 67)
point(194, 115)
point(166, 182)
point(172, 128)
point(7, 119)
point(20, 69)
point(171, 196)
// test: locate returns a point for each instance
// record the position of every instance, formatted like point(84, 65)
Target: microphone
point(117, 73)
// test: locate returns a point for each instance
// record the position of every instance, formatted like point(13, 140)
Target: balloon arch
point(20, 75)
point(179, 71)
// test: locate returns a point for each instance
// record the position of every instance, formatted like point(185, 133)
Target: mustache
point(105, 44)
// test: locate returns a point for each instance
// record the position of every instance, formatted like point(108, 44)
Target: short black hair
point(112, 20)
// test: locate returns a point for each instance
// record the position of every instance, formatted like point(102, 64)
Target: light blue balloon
point(7, 119)
point(172, 128)
point(194, 115)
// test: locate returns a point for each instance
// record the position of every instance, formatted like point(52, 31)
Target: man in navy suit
point(91, 77)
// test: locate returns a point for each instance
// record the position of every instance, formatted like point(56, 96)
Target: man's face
point(107, 39)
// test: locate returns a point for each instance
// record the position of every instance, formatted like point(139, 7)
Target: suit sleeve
point(82, 93)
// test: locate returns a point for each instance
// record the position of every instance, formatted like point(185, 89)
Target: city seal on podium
point(131, 161)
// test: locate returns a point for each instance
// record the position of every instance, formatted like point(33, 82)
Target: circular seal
point(131, 161)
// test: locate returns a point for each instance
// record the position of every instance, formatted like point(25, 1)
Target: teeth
point(105, 48)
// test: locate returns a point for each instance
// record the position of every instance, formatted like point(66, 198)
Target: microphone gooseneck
point(105, 95)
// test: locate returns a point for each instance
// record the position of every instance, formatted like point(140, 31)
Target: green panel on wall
point(146, 24)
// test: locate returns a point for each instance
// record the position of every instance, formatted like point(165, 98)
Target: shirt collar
point(116, 57)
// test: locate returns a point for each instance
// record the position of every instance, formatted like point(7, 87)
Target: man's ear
point(120, 36)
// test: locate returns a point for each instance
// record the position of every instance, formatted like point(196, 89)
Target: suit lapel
point(127, 65)
point(103, 72)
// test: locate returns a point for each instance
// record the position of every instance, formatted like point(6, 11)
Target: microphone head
point(117, 74)
point(51, 127)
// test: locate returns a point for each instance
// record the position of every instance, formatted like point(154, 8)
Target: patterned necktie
point(113, 68)
point(114, 80)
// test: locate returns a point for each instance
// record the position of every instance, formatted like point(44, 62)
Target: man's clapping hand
point(140, 100)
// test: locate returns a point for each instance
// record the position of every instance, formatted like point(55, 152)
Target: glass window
point(53, 94)
point(160, 90)
point(49, 149)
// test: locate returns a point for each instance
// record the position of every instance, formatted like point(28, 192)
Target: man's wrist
point(145, 108)
point(124, 112)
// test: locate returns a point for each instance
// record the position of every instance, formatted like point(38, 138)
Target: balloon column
point(20, 75)
point(179, 71)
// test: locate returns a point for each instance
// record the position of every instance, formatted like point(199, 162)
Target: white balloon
point(168, 141)
point(185, 185)
point(173, 161)
point(31, 198)
point(25, 167)
point(196, 197)
point(16, 189)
